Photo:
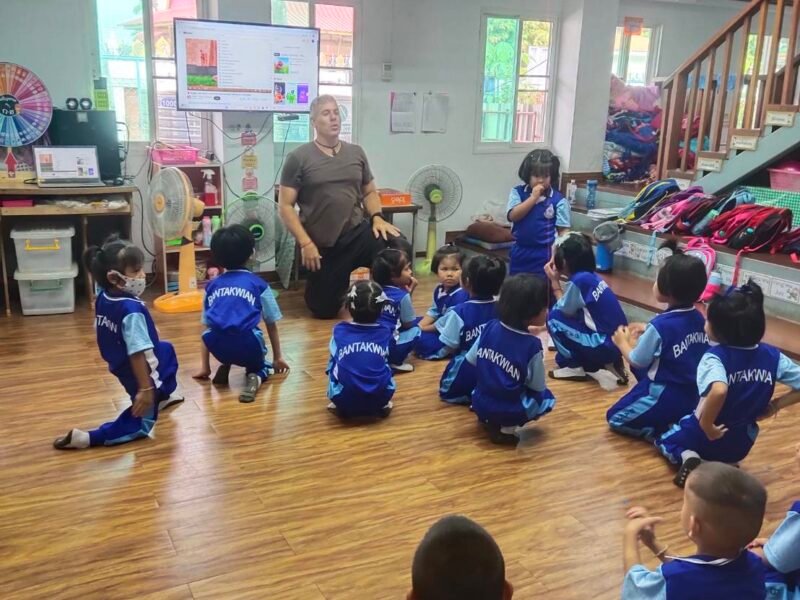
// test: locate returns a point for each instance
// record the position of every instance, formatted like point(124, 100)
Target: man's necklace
point(333, 148)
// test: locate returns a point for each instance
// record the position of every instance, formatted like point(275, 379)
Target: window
point(336, 73)
point(635, 56)
point(124, 48)
point(516, 95)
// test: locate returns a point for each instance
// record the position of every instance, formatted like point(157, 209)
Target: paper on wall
point(403, 111)
point(434, 112)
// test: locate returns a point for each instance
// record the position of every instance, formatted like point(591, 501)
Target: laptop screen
point(66, 162)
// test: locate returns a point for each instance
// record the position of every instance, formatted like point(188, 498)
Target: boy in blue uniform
point(538, 213)
point(461, 326)
point(391, 270)
point(723, 509)
point(233, 306)
point(128, 341)
point(735, 380)
point(446, 265)
point(584, 318)
point(360, 380)
point(509, 362)
point(665, 357)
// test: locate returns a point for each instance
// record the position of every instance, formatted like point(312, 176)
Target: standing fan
point(171, 208)
point(438, 190)
point(258, 215)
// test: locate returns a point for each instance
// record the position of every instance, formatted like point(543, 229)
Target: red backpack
point(788, 243)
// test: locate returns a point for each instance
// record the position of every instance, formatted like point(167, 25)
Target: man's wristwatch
point(377, 214)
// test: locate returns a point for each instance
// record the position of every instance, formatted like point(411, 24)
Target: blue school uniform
point(396, 311)
point(510, 385)
point(430, 347)
point(582, 322)
point(360, 380)
point(665, 363)
point(458, 330)
point(782, 550)
point(233, 307)
point(124, 327)
point(698, 578)
point(750, 374)
point(535, 234)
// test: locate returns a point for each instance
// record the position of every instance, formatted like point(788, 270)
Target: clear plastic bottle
point(206, 232)
point(572, 190)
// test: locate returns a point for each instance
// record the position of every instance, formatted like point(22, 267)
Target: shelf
point(176, 249)
point(190, 165)
point(51, 210)
point(15, 188)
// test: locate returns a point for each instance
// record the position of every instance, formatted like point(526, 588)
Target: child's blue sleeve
point(781, 549)
point(709, 371)
point(269, 307)
point(203, 314)
point(135, 333)
point(572, 300)
point(433, 311)
point(563, 213)
point(788, 372)
point(647, 349)
point(332, 349)
point(535, 378)
point(642, 584)
point(407, 314)
point(472, 354)
point(513, 200)
point(449, 328)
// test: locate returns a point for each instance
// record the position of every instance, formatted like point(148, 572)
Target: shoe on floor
point(251, 386)
point(403, 368)
point(387, 410)
point(569, 374)
point(76, 439)
point(502, 435)
point(689, 465)
point(606, 379)
point(549, 344)
point(618, 368)
point(221, 376)
point(170, 402)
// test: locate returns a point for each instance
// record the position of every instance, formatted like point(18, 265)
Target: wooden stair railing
point(723, 96)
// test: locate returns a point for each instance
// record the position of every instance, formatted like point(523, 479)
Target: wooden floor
point(280, 500)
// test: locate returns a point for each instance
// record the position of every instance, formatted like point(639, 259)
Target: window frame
point(653, 53)
point(512, 147)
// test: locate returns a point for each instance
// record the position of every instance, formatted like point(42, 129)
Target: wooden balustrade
point(724, 95)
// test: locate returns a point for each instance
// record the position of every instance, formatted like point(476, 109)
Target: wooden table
point(51, 212)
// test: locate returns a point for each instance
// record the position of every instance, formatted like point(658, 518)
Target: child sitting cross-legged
point(723, 509)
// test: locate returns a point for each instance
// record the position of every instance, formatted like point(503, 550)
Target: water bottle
point(206, 232)
point(591, 194)
point(572, 190)
point(703, 223)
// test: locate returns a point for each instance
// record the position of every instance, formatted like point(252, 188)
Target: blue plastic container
point(591, 194)
point(604, 259)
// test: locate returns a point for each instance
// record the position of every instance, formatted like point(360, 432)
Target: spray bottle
point(210, 197)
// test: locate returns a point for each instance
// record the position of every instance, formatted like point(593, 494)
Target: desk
point(82, 215)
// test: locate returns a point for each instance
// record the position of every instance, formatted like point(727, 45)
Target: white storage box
point(43, 249)
point(47, 293)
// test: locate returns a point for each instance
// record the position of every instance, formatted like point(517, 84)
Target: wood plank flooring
point(280, 500)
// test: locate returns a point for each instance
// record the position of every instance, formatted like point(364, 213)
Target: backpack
point(665, 217)
point(788, 243)
point(699, 248)
point(647, 198)
point(668, 201)
point(694, 214)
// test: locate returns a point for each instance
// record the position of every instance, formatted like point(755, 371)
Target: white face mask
point(133, 285)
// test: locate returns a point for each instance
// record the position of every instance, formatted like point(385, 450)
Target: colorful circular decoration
point(25, 106)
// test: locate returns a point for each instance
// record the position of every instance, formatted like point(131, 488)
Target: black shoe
point(63, 443)
point(498, 437)
point(221, 376)
point(689, 465)
point(618, 368)
point(250, 388)
point(169, 402)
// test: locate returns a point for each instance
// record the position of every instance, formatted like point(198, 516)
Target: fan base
point(180, 302)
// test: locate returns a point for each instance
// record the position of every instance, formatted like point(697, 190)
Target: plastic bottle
point(572, 190)
point(206, 232)
point(701, 226)
point(216, 222)
point(591, 194)
point(210, 197)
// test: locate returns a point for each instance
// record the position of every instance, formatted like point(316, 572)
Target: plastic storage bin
point(47, 293)
point(43, 249)
point(785, 176)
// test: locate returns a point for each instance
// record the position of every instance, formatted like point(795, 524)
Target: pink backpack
point(666, 217)
point(699, 248)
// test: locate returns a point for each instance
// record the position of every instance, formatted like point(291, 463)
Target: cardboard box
point(390, 197)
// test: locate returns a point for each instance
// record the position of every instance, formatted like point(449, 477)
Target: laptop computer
point(67, 166)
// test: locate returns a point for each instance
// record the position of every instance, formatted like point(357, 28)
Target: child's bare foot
point(221, 377)
point(202, 374)
point(75, 439)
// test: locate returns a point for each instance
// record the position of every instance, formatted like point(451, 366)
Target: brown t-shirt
point(329, 189)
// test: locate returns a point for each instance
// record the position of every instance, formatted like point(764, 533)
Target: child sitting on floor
point(360, 380)
point(128, 341)
point(584, 318)
point(458, 560)
point(509, 363)
point(735, 380)
point(391, 270)
point(461, 326)
point(665, 357)
point(446, 265)
point(233, 306)
point(723, 509)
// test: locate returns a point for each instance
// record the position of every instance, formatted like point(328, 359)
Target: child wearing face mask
point(128, 341)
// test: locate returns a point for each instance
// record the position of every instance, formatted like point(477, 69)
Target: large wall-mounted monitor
point(222, 65)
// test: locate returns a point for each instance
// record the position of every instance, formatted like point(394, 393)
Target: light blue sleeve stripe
point(135, 334)
point(788, 372)
point(572, 300)
point(783, 547)
point(407, 314)
point(535, 379)
point(563, 214)
point(269, 307)
point(710, 370)
point(647, 349)
point(433, 311)
point(332, 346)
point(472, 354)
point(641, 584)
point(513, 200)
point(449, 328)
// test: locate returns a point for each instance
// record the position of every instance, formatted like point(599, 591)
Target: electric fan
point(438, 190)
point(258, 215)
point(170, 210)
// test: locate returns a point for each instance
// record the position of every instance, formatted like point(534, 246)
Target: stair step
point(780, 115)
point(744, 139)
